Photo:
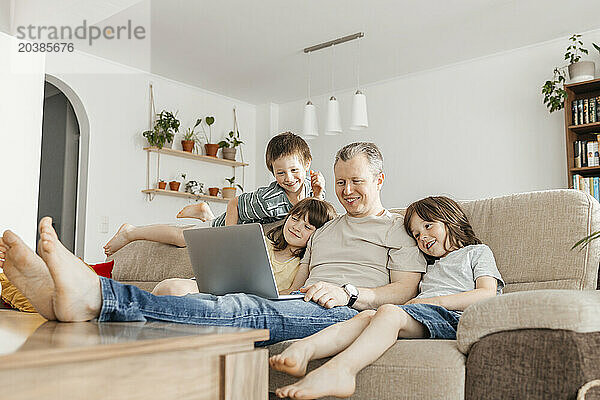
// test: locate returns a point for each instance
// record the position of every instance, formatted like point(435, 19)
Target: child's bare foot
point(120, 239)
point(328, 380)
point(294, 359)
point(77, 293)
point(199, 210)
point(28, 272)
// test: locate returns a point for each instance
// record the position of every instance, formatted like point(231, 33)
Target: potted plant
point(174, 185)
point(162, 184)
point(229, 191)
point(165, 127)
point(210, 147)
point(190, 138)
point(229, 145)
point(194, 187)
point(553, 90)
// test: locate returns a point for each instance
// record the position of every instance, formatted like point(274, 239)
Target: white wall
point(471, 130)
point(21, 100)
point(116, 99)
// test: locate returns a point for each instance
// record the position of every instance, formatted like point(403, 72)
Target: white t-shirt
point(458, 271)
point(361, 251)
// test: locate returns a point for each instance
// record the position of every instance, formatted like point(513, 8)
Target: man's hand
point(317, 182)
point(326, 294)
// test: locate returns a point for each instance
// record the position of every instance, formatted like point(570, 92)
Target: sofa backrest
point(531, 235)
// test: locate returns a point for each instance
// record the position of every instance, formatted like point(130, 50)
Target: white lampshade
point(309, 128)
point(334, 120)
point(359, 112)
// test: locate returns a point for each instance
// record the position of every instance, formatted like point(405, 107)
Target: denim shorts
point(440, 323)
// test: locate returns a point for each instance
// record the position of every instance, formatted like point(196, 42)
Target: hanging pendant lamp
point(334, 119)
point(360, 119)
point(309, 126)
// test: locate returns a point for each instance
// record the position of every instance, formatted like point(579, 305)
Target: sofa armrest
point(572, 310)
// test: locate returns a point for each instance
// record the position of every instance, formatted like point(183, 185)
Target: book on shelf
point(590, 185)
point(586, 153)
point(585, 111)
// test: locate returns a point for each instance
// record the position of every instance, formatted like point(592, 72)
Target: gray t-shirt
point(457, 272)
point(361, 251)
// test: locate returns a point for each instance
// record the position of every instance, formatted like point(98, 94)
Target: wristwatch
point(352, 293)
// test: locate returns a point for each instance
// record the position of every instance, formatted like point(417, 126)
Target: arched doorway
point(64, 163)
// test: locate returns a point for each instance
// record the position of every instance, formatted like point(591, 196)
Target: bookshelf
point(580, 132)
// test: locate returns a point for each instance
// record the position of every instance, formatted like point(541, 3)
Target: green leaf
point(209, 120)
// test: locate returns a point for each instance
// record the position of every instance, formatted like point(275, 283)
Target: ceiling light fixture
point(360, 120)
point(359, 104)
point(310, 129)
point(334, 119)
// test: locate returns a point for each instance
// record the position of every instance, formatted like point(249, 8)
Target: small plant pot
point(228, 192)
point(213, 191)
point(174, 185)
point(581, 71)
point(229, 154)
point(211, 149)
point(162, 185)
point(187, 145)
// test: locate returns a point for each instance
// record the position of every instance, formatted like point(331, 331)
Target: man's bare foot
point(328, 380)
point(199, 210)
point(28, 272)
point(120, 239)
point(294, 359)
point(77, 292)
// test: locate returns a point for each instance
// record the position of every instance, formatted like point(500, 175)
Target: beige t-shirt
point(284, 271)
point(361, 251)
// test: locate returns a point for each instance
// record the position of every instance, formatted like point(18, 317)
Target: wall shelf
point(198, 157)
point(151, 192)
point(173, 193)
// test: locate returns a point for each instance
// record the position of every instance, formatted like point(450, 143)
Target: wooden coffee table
point(42, 359)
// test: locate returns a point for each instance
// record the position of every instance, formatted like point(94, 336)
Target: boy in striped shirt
point(287, 157)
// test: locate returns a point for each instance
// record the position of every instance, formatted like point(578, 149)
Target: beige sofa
point(512, 346)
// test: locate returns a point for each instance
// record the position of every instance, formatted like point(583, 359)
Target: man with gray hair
point(358, 261)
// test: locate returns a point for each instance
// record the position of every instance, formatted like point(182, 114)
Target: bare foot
point(200, 211)
point(294, 359)
point(328, 380)
point(77, 292)
point(120, 239)
point(28, 272)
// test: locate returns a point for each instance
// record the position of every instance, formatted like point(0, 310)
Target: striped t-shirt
point(266, 204)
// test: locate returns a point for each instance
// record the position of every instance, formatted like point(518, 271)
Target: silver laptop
point(232, 259)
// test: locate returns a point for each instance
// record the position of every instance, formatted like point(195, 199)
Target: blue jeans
point(440, 322)
point(285, 319)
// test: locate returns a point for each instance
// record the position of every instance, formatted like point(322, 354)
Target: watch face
point(351, 289)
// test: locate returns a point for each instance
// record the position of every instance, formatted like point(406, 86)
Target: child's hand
point(317, 182)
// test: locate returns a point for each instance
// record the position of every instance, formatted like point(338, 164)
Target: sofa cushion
point(415, 369)
point(572, 310)
point(531, 235)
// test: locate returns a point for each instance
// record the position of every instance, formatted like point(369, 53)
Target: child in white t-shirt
point(461, 271)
